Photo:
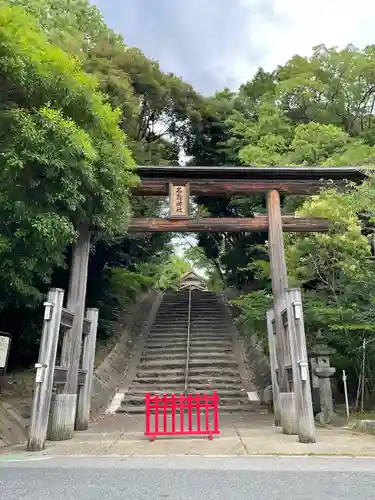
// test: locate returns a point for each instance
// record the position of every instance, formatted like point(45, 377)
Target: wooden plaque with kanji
point(179, 201)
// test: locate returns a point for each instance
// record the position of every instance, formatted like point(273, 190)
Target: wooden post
point(85, 391)
point(45, 369)
point(65, 403)
point(273, 365)
point(279, 277)
point(300, 367)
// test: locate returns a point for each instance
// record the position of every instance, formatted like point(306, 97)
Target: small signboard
point(4, 350)
point(179, 199)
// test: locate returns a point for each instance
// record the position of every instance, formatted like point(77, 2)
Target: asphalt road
point(180, 478)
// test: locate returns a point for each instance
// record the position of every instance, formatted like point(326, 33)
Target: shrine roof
point(227, 173)
point(192, 274)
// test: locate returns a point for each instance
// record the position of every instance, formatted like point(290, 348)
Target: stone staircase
point(212, 362)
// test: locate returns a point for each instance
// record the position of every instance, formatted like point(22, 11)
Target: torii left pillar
point(65, 410)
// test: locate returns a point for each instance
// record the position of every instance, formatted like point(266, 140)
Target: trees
point(72, 25)
point(172, 271)
point(64, 158)
point(77, 107)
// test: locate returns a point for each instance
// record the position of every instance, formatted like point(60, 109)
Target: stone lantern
point(322, 372)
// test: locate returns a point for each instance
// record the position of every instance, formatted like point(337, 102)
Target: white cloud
point(295, 27)
point(217, 43)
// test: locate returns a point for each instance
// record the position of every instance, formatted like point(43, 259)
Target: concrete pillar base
point(288, 412)
point(325, 417)
point(62, 417)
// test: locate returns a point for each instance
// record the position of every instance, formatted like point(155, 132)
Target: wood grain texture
point(160, 187)
point(227, 225)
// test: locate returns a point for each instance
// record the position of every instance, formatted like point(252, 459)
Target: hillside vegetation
point(80, 109)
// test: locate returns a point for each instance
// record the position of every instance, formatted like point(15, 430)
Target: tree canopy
point(64, 157)
point(79, 108)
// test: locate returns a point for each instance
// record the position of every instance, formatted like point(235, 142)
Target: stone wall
point(252, 348)
point(111, 373)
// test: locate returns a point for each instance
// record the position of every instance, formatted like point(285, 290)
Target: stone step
point(196, 339)
point(225, 403)
point(201, 312)
point(228, 388)
point(139, 400)
point(202, 334)
point(225, 394)
point(181, 354)
point(209, 378)
point(235, 408)
point(196, 362)
point(157, 389)
point(196, 387)
point(194, 333)
point(170, 332)
point(158, 379)
point(195, 343)
point(168, 350)
point(170, 320)
point(214, 339)
point(175, 325)
point(208, 315)
point(211, 349)
point(193, 297)
point(156, 372)
point(195, 383)
point(201, 305)
point(167, 335)
point(194, 303)
point(164, 346)
point(223, 410)
point(201, 359)
point(203, 372)
point(163, 360)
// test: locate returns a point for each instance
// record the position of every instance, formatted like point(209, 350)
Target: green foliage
point(252, 312)
point(72, 24)
point(77, 105)
point(207, 267)
point(63, 156)
point(122, 287)
point(171, 271)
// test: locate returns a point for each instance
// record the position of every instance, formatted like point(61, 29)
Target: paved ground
point(272, 478)
point(122, 435)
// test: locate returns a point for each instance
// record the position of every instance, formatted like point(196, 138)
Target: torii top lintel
point(228, 180)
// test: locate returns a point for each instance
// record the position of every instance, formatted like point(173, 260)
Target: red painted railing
point(172, 415)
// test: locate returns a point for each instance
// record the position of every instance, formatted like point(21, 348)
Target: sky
point(214, 44)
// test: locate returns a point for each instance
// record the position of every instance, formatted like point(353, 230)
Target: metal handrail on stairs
point(188, 346)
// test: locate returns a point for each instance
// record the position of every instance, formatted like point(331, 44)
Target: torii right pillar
point(288, 353)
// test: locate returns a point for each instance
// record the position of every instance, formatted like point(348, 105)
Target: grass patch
point(370, 415)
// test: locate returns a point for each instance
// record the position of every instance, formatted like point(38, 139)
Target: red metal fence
point(182, 415)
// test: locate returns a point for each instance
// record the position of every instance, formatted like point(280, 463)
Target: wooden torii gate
point(288, 358)
point(287, 342)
